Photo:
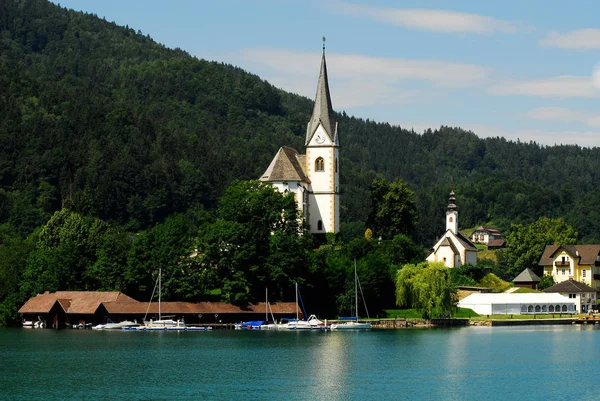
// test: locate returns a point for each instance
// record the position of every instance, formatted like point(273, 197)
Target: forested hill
point(104, 120)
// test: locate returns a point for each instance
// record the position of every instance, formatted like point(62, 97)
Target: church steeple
point(452, 214)
point(323, 111)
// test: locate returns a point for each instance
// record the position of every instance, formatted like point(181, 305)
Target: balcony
point(563, 263)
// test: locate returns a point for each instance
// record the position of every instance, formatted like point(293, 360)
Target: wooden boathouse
point(67, 308)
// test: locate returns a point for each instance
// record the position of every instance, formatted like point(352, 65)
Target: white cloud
point(562, 114)
point(430, 20)
point(359, 80)
point(563, 86)
point(582, 39)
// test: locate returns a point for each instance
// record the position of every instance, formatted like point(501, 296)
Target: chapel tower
point(322, 161)
point(452, 214)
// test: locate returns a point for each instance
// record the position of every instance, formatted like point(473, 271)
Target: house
point(453, 248)
point(489, 236)
point(527, 278)
point(518, 304)
point(572, 262)
point(314, 177)
point(582, 294)
point(66, 308)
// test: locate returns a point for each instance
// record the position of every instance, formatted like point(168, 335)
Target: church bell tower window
point(320, 164)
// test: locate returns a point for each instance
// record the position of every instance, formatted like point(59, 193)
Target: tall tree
point(393, 208)
point(525, 244)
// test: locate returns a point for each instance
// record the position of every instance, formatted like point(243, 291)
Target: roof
point(488, 229)
point(507, 298)
point(323, 111)
point(496, 243)
point(286, 166)
point(527, 276)
point(76, 302)
point(587, 253)
point(570, 286)
point(448, 242)
point(466, 242)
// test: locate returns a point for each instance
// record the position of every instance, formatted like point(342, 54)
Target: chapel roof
point(323, 110)
point(287, 165)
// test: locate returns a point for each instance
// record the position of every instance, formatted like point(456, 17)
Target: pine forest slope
point(103, 119)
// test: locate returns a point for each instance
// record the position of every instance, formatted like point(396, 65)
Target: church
point(453, 248)
point(313, 177)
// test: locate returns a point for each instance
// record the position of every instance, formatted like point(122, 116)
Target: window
point(544, 309)
point(564, 308)
point(551, 309)
point(537, 309)
point(319, 164)
point(336, 165)
point(530, 309)
point(450, 219)
point(320, 225)
point(563, 272)
point(583, 272)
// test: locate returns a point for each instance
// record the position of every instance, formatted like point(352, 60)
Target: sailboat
point(163, 324)
point(312, 323)
point(352, 323)
point(266, 325)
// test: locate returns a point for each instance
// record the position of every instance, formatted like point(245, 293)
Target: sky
point(523, 70)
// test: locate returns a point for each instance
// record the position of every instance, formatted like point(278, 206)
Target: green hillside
point(102, 119)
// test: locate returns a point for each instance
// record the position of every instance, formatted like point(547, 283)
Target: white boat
point(312, 323)
point(353, 323)
point(266, 324)
point(115, 326)
point(162, 324)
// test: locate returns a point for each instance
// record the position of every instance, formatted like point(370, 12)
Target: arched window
point(336, 165)
point(320, 225)
point(537, 309)
point(544, 309)
point(557, 308)
point(564, 308)
point(551, 309)
point(530, 309)
point(319, 164)
point(523, 308)
point(450, 219)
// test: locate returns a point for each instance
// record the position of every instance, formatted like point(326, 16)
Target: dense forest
point(108, 133)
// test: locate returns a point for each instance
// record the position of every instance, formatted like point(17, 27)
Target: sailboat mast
point(159, 288)
point(266, 305)
point(355, 290)
point(296, 301)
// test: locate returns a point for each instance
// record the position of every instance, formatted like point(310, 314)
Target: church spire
point(452, 214)
point(323, 111)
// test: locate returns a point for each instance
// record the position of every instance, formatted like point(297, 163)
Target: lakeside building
point(518, 304)
point(572, 262)
point(65, 308)
point(314, 177)
point(582, 294)
point(454, 248)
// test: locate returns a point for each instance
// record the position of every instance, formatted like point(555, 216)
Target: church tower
point(322, 161)
point(452, 214)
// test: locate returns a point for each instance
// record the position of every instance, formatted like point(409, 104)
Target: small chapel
point(313, 177)
point(453, 248)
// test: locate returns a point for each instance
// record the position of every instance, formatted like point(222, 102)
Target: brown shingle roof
point(587, 253)
point(287, 165)
point(80, 302)
point(179, 308)
point(570, 286)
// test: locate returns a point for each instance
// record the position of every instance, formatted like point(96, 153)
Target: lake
point(469, 363)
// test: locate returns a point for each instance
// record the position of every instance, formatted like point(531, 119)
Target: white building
point(453, 248)
point(518, 304)
point(313, 178)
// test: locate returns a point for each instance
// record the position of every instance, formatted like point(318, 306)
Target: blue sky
point(517, 69)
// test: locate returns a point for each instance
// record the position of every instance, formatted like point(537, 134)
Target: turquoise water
point(472, 363)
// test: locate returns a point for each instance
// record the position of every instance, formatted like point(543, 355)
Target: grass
point(460, 313)
point(524, 290)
